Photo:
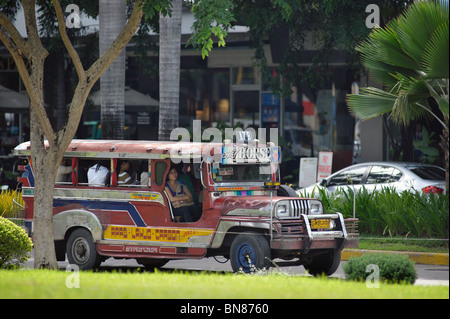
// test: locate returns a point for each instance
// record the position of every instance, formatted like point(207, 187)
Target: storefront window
point(246, 76)
point(246, 108)
point(204, 96)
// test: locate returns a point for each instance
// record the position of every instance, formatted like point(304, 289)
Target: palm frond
point(417, 24)
point(436, 55)
point(371, 103)
point(383, 46)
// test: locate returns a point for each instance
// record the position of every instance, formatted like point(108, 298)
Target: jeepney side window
point(146, 173)
point(94, 172)
point(160, 169)
point(64, 172)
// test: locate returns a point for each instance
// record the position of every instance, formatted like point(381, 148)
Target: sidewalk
point(417, 257)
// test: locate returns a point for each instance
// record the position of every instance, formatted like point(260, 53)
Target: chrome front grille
point(298, 207)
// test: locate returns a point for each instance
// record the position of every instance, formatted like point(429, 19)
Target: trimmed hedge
point(392, 268)
point(15, 245)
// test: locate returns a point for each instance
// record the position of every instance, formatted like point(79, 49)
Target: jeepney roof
point(126, 148)
point(133, 149)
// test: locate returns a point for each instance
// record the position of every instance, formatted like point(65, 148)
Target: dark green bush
point(15, 245)
point(392, 268)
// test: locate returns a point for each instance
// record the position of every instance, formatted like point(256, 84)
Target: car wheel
point(325, 264)
point(81, 250)
point(249, 252)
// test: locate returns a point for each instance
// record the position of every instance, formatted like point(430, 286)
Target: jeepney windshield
point(242, 173)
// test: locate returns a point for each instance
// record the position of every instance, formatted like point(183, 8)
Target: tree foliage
point(410, 59)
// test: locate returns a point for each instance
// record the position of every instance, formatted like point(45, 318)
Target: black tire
point(81, 250)
point(249, 251)
point(325, 264)
point(152, 263)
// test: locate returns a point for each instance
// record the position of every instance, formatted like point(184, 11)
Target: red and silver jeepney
point(243, 217)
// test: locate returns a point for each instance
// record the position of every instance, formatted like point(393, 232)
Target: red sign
point(325, 165)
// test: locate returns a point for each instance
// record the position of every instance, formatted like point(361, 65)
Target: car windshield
point(428, 172)
point(242, 173)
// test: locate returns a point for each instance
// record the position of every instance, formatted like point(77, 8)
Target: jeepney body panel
point(137, 222)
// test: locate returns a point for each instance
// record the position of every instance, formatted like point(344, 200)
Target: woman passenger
point(181, 198)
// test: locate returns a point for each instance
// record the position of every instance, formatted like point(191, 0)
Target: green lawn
point(20, 284)
point(403, 244)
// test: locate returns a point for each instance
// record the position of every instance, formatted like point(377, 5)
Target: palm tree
point(410, 58)
point(112, 18)
point(169, 70)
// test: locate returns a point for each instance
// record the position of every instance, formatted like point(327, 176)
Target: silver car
point(376, 175)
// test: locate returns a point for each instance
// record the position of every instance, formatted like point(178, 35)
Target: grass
point(24, 284)
point(403, 244)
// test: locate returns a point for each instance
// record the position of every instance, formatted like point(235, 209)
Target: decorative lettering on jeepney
point(148, 196)
point(137, 249)
point(180, 235)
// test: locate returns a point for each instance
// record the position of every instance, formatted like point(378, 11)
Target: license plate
point(320, 223)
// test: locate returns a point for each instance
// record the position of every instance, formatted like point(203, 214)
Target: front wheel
point(81, 250)
point(249, 251)
point(326, 263)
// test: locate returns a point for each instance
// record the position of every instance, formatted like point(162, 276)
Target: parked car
point(376, 175)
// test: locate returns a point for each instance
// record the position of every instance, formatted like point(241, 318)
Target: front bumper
point(297, 235)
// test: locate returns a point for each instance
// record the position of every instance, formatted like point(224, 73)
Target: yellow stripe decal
point(175, 235)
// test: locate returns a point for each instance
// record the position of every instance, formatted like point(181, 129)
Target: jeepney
point(243, 216)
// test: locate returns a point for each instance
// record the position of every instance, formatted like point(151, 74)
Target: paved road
point(427, 274)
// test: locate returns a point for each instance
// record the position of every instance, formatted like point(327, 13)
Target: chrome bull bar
point(340, 233)
point(300, 229)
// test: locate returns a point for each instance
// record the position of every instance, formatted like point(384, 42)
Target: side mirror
point(323, 182)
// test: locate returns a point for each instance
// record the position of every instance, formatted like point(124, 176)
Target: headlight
point(315, 207)
point(282, 211)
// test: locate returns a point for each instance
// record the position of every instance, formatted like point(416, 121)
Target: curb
point(417, 257)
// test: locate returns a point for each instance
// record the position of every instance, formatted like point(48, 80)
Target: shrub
point(393, 268)
point(15, 245)
point(6, 202)
point(386, 212)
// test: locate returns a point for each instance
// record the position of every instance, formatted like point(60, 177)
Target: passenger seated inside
point(144, 176)
point(181, 198)
point(98, 175)
point(63, 174)
point(187, 177)
point(124, 177)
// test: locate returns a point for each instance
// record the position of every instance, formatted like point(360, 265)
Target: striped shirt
point(124, 178)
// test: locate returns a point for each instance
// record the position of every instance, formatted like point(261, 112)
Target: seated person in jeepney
point(124, 177)
point(63, 174)
point(98, 175)
point(181, 198)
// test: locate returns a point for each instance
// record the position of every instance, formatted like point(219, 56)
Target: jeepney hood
point(247, 205)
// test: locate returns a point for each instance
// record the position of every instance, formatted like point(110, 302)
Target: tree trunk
point(112, 17)
point(44, 169)
point(45, 161)
point(169, 70)
point(445, 147)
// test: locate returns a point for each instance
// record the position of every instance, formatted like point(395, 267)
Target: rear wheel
point(249, 251)
point(81, 250)
point(325, 264)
